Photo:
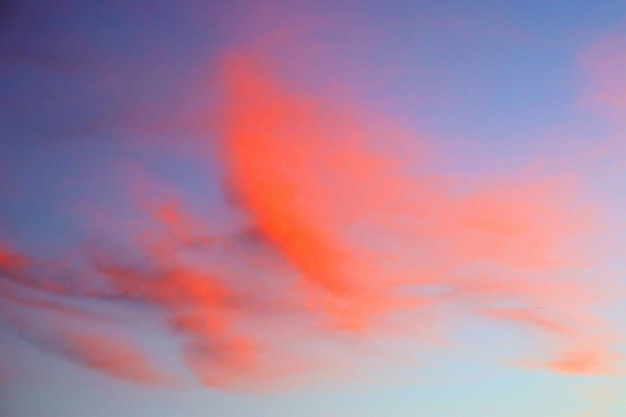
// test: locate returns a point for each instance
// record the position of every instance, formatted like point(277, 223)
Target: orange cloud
point(194, 303)
point(586, 362)
point(306, 176)
point(349, 222)
point(346, 236)
point(118, 359)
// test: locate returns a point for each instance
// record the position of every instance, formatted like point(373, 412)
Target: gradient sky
point(314, 208)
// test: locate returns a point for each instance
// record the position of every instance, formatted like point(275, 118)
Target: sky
point(316, 208)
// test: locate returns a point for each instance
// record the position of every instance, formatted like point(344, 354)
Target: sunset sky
point(313, 209)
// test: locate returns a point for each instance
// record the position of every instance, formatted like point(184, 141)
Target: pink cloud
point(318, 188)
point(113, 357)
point(118, 358)
point(605, 65)
point(350, 239)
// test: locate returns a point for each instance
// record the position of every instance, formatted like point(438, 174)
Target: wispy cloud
point(346, 236)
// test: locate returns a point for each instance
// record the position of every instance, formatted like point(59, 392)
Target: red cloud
point(344, 217)
point(116, 358)
point(355, 243)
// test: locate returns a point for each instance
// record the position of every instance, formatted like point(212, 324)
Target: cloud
point(120, 360)
point(117, 358)
point(306, 177)
point(605, 63)
point(341, 211)
point(347, 235)
point(586, 362)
